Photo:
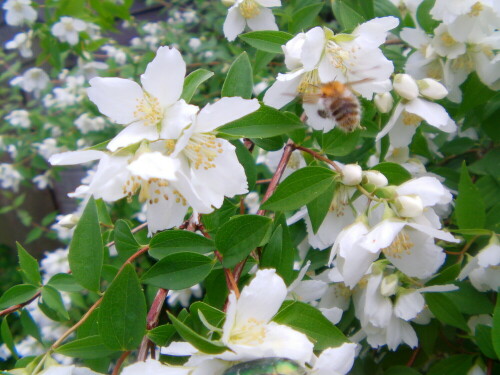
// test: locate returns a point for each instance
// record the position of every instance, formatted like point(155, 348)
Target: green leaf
point(424, 16)
point(7, 337)
point(179, 271)
point(216, 219)
point(385, 8)
point(199, 342)
point(86, 249)
point(445, 310)
point(469, 300)
point(192, 81)
point(345, 15)
point(179, 241)
point(246, 160)
point(319, 206)
point(162, 335)
point(475, 94)
point(340, 143)
point(310, 321)
point(495, 332)
point(29, 325)
point(268, 41)
point(395, 173)
point(266, 122)
point(300, 188)
point(213, 315)
point(52, 298)
point(65, 282)
point(122, 313)
point(102, 212)
point(277, 255)
point(401, 370)
point(17, 294)
point(240, 235)
point(29, 266)
point(87, 348)
point(484, 341)
point(456, 365)
point(239, 78)
point(448, 275)
point(469, 206)
point(125, 242)
point(304, 17)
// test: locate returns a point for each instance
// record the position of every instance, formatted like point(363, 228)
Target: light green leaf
point(65, 282)
point(214, 316)
point(179, 271)
point(240, 235)
point(17, 294)
point(179, 241)
point(87, 348)
point(192, 81)
point(268, 41)
point(125, 242)
point(239, 78)
point(266, 122)
point(7, 337)
point(469, 206)
point(445, 310)
point(339, 143)
point(86, 249)
point(304, 17)
point(424, 16)
point(29, 325)
point(300, 188)
point(29, 266)
point(122, 313)
point(52, 298)
point(162, 335)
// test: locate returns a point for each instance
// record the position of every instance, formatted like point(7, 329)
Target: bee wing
point(310, 98)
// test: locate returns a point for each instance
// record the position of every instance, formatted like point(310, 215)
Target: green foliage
point(239, 78)
point(268, 41)
point(469, 209)
point(178, 241)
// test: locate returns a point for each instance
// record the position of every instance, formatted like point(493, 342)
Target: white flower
point(19, 118)
point(54, 262)
point(116, 54)
point(33, 80)
point(42, 181)
point(352, 174)
point(9, 177)
point(183, 296)
point(375, 178)
point(194, 43)
point(447, 11)
point(431, 89)
point(151, 112)
point(482, 270)
point(68, 370)
point(153, 367)
point(405, 86)
point(67, 29)
point(47, 148)
point(87, 124)
point(445, 45)
point(19, 12)
point(384, 102)
point(254, 13)
point(21, 42)
point(335, 361)
point(248, 330)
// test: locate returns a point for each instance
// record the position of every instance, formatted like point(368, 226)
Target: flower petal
point(151, 165)
point(133, 133)
point(433, 113)
point(336, 361)
point(429, 189)
point(234, 24)
point(282, 92)
point(409, 305)
point(75, 157)
point(263, 21)
point(152, 367)
point(164, 213)
point(313, 48)
point(116, 98)
point(176, 119)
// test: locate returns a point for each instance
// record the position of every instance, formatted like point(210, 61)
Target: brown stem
point(120, 361)
point(11, 309)
point(489, 368)
point(464, 250)
point(265, 181)
point(320, 157)
point(413, 357)
point(152, 321)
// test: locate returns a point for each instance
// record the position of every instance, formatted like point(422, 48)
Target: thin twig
point(265, 181)
point(120, 361)
point(320, 157)
point(413, 357)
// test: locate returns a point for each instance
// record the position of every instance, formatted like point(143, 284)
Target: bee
point(337, 102)
point(266, 366)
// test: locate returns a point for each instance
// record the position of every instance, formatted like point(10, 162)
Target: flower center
point(337, 55)
point(151, 191)
point(251, 333)
point(310, 83)
point(411, 119)
point(148, 110)
point(340, 200)
point(18, 6)
point(401, 244)
point(202, 149)
point(476, 9)
point(249, 9)
point(464, 62)
point(448, 40)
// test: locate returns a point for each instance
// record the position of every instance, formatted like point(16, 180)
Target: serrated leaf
point(193, 81)
point(179, 241)
point(445, 310)
point(125, 242)
point(239, 78)
point(266, 122)
point(65, 282)
point(86, 249)
point(469, 206)
point(17, 294)
point(29, 266)
point(122, 313)
point(240, 235)
point(179, 271)
point(319, 207)
point(268, 41)
point(52, 298)
point(456, 365)
point(395, 173)
point(86, 348)
point(201, 343)
point(300, 188)
point(310, 321)
point(162, 335)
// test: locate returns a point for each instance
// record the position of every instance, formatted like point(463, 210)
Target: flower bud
point(405, 86)
point(409, 205)
point(351, 174)
point(432, 89)
point(389, 285)
point(69, 221)
point(375, 178)
point(384, 102)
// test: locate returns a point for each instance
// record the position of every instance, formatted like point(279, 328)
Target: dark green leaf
point(469, 207)
point(216, 219)
point(29, 325)
point(484, 341)
point(300, 188)
point(162, 335)
point(86, 348)
point(345, 15)
point(86, 249)
point(401, 370)
point(201, 343)
point(277, 255)
point(239, 78)
point(102, 213)
point(340, 143)
point(445, 310)
point(319, 206)
point(179, 241)
point(213, 316)
point(7, 337)
point(495, 332)
point(456, 365)
point(52, 298)
point(192, 81)
point(29, 266)
point(268, 41)
point(264, 123)
point(240, 235)
point(65, 282)
point(304, 17)
point(122, 313)
point(469, 300)
point(125, 242)
point(385, 8)
point(246, 160)
point(179, 271)
point(424, 17)
point(395, 173)
point(17, 294)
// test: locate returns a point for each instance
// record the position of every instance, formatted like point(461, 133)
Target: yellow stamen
point(400, 245)
point(148, 110)
point(249, 9)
